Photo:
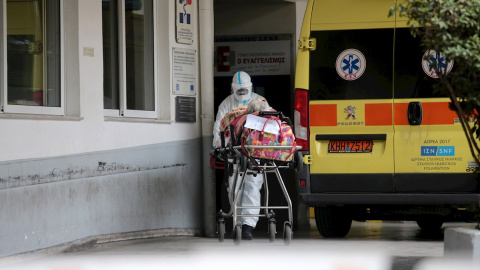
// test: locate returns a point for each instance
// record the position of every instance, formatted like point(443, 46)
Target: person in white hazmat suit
point(241, 95)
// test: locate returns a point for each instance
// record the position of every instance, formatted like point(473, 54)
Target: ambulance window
point(410, 79)
point(376, 46)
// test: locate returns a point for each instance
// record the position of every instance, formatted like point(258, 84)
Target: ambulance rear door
point(431, 151)
point(351, 97)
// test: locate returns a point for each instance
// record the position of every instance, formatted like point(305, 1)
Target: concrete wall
point(150, 190)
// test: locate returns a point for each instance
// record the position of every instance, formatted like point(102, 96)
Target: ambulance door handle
point(415, 113)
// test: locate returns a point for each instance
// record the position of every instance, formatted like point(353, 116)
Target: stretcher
point(236, 161)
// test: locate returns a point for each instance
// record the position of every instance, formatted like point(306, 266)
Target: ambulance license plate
point(350, 146)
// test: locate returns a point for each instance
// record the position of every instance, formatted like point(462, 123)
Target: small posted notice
point(185, 109)
point(256, 122)
point(184, 71)
point(185, 23)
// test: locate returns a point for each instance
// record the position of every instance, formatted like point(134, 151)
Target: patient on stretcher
point(238, 116)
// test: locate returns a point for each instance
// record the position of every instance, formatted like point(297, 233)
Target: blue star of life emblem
point(437, 62)
point(434, 62)
point(351, 64)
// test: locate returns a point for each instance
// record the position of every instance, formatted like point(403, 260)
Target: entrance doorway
point(268, 59)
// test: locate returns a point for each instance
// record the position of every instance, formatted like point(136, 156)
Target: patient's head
point(258, 105)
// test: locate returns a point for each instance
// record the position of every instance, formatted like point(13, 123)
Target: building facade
point(107, 108)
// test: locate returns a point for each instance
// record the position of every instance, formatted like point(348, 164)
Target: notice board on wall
point(184, 71)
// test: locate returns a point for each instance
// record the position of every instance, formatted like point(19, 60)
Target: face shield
point(242, 92)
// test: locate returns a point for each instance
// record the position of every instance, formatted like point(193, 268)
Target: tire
point(243, 163)
point(238, 235)
point(333, 221)
point(221, 231)
point(430, 223)
point(230, 169)
point(298, 162)
point(272, 230)
point(287, 234)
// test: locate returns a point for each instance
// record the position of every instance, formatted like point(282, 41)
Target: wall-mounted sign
point(185, 109)
point(184, 21)
point(184, 71)
point(256, 55)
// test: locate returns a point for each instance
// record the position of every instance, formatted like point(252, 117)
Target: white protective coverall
point(241, 95)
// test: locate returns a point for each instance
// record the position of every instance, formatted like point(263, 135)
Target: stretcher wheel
point(287, 233)
point(298, 162)
point(238, 234)
point(221, 231)
point(243, 163)
point(272, 230)
point(229, 168)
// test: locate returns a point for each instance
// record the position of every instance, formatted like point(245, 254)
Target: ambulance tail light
point(301, 118)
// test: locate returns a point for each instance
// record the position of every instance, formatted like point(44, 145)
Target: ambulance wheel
point(333, 221)
point(221, 231)
point(238, 234)
point(430, 223)
point(272, 230)
point(298, 162)
point(287, 233)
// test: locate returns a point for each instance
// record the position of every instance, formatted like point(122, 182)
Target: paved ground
point(382, 246)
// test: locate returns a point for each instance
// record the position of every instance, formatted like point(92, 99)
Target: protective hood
point(242, 87)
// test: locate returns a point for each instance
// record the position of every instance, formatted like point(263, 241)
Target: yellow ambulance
point(378, 141)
